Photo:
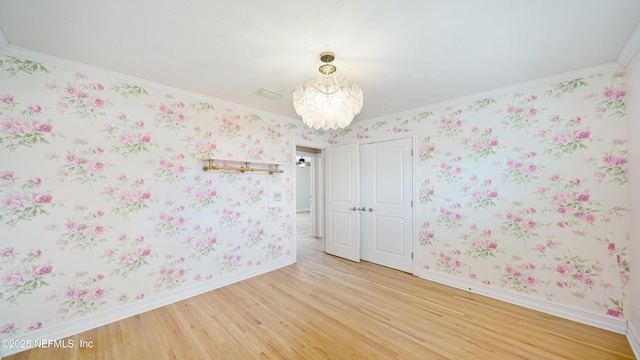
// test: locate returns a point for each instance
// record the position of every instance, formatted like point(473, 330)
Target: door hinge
point(411, 255)
point(411, 203)
point(411, 151)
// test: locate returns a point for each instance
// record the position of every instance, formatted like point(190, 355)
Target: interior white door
point(342, 195)
point(386, 195)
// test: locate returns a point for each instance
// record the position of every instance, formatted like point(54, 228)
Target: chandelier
point(328, 103)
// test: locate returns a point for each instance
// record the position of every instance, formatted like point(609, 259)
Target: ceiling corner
point(630, 48)
point(4, 43)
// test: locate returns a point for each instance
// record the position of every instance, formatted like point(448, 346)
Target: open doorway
point(308, 192)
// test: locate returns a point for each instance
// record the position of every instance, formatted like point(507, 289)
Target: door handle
point(370, 209)
point(354, 209)
point(362, 208)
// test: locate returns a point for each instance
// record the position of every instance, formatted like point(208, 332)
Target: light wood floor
point(324, 307)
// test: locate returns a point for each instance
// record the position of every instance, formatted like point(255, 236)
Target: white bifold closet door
point(369, 203)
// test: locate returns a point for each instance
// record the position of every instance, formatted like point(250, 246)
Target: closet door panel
point(386, 194)
point(342, 197)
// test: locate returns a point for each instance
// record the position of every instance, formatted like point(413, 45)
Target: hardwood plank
point(325, 307)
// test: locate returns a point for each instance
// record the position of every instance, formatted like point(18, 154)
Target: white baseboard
point(578, 315)
point(76, 326)
point(634, 340)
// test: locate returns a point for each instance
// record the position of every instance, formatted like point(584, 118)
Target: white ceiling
point(404, 54)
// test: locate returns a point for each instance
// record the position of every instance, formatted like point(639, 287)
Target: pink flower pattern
point(545, 200)
point(574, 206)
point(130, 196)
point(613, 164)
point(84, 229)
point(23, 128)
point(253, 192)
point(201, 143)
point(451, 216)
point(480, 194)
point(522, 167)
point(24, 202)
point(426, 193)
point(612, 98)
point(171, 274)
point(576, 274)
point(170, 167)
point(171, 221)
point(275, 250)
point(451, 124)
point(448, 260)
point(82, 163)
point(450, 170)
point(230, 260)
point(201, 193)
point(130, 255)
point(252, 148)
point(230, 127)
point(202, 242)
point(230, 215)
point(170, 114)
point(85, 295)
point(21, 275)
point(565, 136)
point(128, 137)
point(480, 243)
point(253, 232)
point(519, 275)
point(481, 143)
point(522, 113)
point(82, 98)
point(274, 134)
point(427, 150)
point(522, 222)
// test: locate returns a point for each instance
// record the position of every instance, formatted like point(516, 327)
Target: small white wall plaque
point(276, 197)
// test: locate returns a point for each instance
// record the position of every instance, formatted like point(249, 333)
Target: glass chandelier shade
point(327, 103)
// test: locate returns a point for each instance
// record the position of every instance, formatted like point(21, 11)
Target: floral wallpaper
point(525, 192)
point(103, 200)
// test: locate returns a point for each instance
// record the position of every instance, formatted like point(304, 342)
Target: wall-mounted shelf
point(224, 164)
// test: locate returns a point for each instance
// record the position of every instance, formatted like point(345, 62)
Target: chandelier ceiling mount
point(327, 57)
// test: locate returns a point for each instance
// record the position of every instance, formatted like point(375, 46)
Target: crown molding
point(519, 87)
point(4, 43)
point(25, 54)
point(630, 48)
point(70, 65)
